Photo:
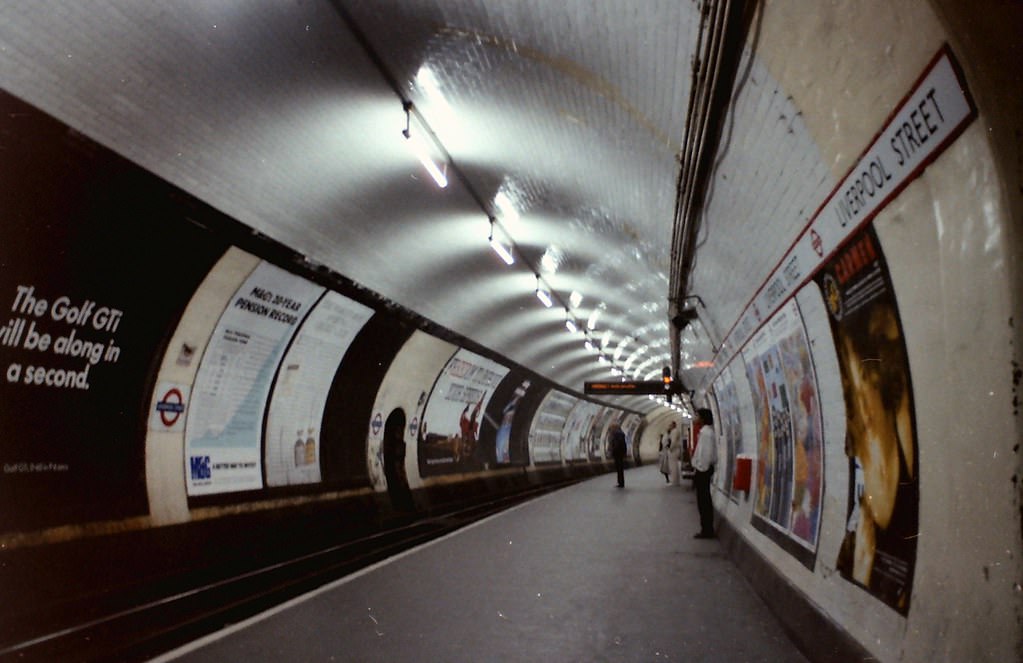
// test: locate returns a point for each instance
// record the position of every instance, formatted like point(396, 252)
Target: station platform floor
point(587, 573)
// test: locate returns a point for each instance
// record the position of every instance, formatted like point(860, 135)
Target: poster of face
point(224, 427)
point(879, 549)
point(730, 428)
point(294, 418)
point(450, 426)
point(550, 419)
point(790, 476)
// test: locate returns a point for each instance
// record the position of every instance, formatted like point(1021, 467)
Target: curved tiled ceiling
point(288, 117)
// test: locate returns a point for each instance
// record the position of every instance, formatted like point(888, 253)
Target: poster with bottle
point(294, 419)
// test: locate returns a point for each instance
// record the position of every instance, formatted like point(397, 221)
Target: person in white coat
point(675, 454)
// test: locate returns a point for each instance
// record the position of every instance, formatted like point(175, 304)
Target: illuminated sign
point(627, 387)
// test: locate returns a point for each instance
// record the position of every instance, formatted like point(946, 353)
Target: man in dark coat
point(618, 451)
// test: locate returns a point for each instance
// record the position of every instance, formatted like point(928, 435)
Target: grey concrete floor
point(589, 573)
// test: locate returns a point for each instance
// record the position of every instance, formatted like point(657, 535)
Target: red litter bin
point(743, 472)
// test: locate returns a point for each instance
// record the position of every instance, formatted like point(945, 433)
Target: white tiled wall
point(822, 85)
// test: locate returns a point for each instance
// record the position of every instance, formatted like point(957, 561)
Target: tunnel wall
point(885, 488)
point(165, 366)
point(87, 462)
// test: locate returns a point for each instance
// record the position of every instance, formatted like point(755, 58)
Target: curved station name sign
point(935, 112)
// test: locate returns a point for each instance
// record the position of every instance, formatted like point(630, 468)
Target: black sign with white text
point(97, 263)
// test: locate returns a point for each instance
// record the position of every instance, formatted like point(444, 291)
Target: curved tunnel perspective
point(326, 267)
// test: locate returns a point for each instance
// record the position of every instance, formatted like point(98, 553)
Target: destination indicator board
point(626, 387)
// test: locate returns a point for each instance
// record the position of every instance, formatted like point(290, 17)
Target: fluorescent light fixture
point(542, 294)
point(575, 299)
point(552, 259)
point(589, 346)
point(421, 151)
point(499, 248)
point(591, 323)
point(570, 325)
point(426, 79)
point(507, 208)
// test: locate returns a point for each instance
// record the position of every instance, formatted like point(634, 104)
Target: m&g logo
point(200, 467)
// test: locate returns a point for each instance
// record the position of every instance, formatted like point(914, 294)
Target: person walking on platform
point(618, 451)
point(662, 455)
point(703, 465)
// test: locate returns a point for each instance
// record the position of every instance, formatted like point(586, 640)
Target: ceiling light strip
point(451, 168)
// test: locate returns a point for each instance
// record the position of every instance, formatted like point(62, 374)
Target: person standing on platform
point(675, 454)
point(618, 451)
point(703, 465)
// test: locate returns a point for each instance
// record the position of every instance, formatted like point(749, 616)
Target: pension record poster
point(878, 551)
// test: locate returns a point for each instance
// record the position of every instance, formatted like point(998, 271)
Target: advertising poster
point(577, 430)
point(450, 426)
point(596, 439)
point(223, 431)
point(756, 370)
point(777, 481)
point(878, 552)
point(294, 419)
point(525, 408)
point(594, 443)
point(97, 263)
point(807, 430)
point(790, 478)
point(630, 426)
point(730, 427)
point(497, 445)
point(550, 420)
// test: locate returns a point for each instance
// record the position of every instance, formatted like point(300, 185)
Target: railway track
point(145, 630)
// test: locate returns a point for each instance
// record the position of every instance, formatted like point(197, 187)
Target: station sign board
point(627, 387)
